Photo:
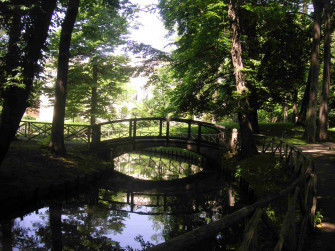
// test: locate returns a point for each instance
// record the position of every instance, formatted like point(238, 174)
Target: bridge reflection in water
point(124, 212)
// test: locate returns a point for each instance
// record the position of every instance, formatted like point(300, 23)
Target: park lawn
point(292, 134)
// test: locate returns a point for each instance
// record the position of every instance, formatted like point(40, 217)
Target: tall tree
point(248, 145)
point(310, 130)
point(100, 29)
point(17, 87)
point(57, 133)
point(94, 88)
point(55, 220)
point(305, 101)
point(323, 113)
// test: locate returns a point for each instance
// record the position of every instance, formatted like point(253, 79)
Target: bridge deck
point(323, 238)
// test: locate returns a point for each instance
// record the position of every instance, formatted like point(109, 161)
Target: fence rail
point(301, 194)
point(40, 130)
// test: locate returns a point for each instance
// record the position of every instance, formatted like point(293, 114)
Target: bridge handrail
point(219, 127)
point(132, 119)
point(302, 187)
point(161, 130)
point(93, 133)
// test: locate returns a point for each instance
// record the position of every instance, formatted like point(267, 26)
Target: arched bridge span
point(113, 138)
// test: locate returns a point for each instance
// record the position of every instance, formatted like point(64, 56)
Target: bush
point(44, 143)
point(28, 117)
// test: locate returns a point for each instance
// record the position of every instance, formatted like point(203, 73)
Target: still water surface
point(150, 198)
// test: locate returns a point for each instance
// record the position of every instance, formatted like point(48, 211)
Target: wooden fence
point(40, 130)
point(301, 194)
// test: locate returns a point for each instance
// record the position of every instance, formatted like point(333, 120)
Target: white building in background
point(46, 109)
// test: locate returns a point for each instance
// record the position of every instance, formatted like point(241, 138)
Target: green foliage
point(44, 143)
point(28, 117)
point(100, 27)
point(275, 56)
point(318, 218)
point(112, 75)
point(163, 88)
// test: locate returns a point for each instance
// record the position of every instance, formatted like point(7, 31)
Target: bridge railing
point(168, 128)
point(301, 206)
point(159, 128)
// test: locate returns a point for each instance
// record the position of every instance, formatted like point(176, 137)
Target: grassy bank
point(28, 167)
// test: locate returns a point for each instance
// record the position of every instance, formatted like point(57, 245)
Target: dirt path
point(323, 238)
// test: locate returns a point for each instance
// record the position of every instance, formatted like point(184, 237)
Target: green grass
point(229, 124)
point(293, 134)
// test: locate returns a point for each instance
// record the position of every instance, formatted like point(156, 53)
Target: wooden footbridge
point(110, 139)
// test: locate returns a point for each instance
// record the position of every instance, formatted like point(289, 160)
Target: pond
point(148, 198)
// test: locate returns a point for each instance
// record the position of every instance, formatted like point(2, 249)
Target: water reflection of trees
point(155, 167)
point(79, 224)
point(89, 221)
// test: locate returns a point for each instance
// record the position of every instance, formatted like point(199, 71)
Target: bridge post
point(25, 129)
point(88, 134)
point(29, 130)
point(134, 136)
point(199, 137)
point(199, 132)
point(160, 127)
point(189, 130)
point(130, 128)
point(167, 131)
point(96, 133)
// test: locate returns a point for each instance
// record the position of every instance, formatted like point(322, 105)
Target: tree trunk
point(56, 144)
point(305, 101)
point(294, 107)
point(12, 59)
point(55, 218)
point(7, 235)
point(323, 114)
point(248, 146)
point(285, 110)
point(310, 130)
point(94, 93)
point(15, 98)
point(253, 117)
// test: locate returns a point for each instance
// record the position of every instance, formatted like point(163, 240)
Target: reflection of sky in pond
point(31, 223)
point(135, 225)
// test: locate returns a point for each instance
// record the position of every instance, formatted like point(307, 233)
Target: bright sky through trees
point(151, 30)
